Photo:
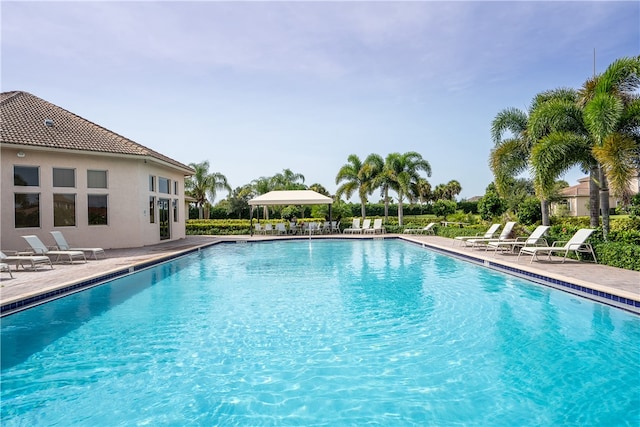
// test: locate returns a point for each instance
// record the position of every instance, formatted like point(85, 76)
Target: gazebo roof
point(291, 197)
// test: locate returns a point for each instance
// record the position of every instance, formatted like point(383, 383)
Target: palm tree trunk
point(544, 209)
point(400, 210)
point(594, 201)
point(386, 204)
point(604, 202)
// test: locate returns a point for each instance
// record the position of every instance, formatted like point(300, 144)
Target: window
point(152, 183)
point(96, 179)
point(97, 209)
point(163, 185)
point(152, 210)
point(64, 210)
point(27, 210)
point(174, 202)
point(26, 176)
point(175, 187)
point(64, 177)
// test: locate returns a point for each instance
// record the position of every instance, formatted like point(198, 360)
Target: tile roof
point(582, 189)
point(23, 119)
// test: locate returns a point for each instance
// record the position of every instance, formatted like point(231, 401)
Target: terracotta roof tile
point(22, 121)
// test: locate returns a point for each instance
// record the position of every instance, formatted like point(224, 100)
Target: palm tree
point(562, 142)
point(596, 128)
point(288, 180)
point(404, 171)
point(511, 156)
point(319, 188)
point(612, 117)
point(203, 185)
point(422, 190)
point(378, 174)
point(354, 177)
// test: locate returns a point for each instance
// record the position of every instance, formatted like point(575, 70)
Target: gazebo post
point(251, 221)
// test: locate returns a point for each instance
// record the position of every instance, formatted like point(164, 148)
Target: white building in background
point(62, 172)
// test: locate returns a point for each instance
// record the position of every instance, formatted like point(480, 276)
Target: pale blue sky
point(257, 87)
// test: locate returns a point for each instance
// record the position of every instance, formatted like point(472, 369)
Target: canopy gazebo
point(289, 197)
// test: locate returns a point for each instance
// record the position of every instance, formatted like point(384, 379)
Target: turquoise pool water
point(320, 333)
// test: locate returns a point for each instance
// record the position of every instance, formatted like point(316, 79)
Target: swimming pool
point(320, 333)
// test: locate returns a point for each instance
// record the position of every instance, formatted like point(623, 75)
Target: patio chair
point(257, 228)
point(491, 232)
point(366, 226)
point(576, 244)
point(428, 229)
point(377, 227)
point(504, 236)
point(5, 267)
point(335, 227)
point(355, 227)
point(280, 228)
point(268, 228)
point(293, 227)
point(20, 260)
point(534, 239)
point(62, 244)
point(40, 249)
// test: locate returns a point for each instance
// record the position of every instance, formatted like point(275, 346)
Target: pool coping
point(613, 297)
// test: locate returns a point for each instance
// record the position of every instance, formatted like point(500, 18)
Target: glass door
point(163, 217)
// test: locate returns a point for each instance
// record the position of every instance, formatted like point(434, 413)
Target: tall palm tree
point(404, 170)
point(562, 143)
point(612, 117)
point(354, 177)
point(377, 173)
point(598, 130)
point(203, 185)
point(511, 156)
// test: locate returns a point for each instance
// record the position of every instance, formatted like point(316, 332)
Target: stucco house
point(62, 172)
point(576, 198)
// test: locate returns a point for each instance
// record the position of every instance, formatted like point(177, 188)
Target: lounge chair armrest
point(559, 243)
point(9, 252)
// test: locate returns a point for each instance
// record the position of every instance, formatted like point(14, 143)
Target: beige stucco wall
point(128, 199)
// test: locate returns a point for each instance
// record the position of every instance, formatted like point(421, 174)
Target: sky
point(256, 87)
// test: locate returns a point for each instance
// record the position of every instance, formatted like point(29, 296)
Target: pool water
point(320, 333)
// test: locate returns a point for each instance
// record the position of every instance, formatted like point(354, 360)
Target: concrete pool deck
point(613, 286)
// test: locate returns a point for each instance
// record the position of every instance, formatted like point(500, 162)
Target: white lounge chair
point(40, 249)
point(257, 228)
point(280, 228)
point(5, 267)
point(62, 244)
point(491, 232)
point(576, 244)
point(504, 236)
point(335, 227)
point(355, 227)
point(366, 226)
point(377, 227)
point(428, 229)
point(21, 260)
point(534, 239)
point(268, 228)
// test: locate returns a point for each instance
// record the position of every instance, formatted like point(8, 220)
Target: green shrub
point(617, 254)
point(529, 211)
